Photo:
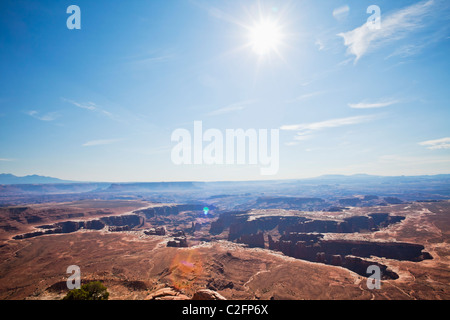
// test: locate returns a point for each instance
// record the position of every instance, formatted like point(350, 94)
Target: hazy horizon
point(359, 175)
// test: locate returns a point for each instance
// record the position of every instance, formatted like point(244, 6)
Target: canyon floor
point(134, 264)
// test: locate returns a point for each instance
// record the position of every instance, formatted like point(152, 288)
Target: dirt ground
point(132, 265)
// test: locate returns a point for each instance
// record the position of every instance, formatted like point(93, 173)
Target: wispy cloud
point(6, 160)
point(305, 96)
point(154, 59)
point(368, 105)
point(298, 138)
point(333, 123)
point(407, 50)
point(305, 131)
point(437, 144)
point(150, 59)
point(51, 116)
point(341, 12)
point(232, 108)
point(395, 26)
point(320, 45)
point(103, 142)
point(418, 44)
point(91, 106)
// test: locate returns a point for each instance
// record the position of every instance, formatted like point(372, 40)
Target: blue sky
point(101, 103)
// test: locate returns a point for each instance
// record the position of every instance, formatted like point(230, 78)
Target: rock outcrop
point(114, 223)
point(178, 242)
point(242, 223)
point(206, 294)
point(360, 267)
point(219, 284)
point(166, 294)
point(313, 248)
point(168, 210)
point(295, 203)
point(158, 231)
point(195, 227)
point(306, 246)
point(118, 229)
point(253, 240)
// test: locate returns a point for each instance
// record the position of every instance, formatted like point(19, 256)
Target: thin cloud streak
point(366, 105)
point(51, 116)
point(437, 144)
point(305, 96)
point(305, 131)
point(232, 108)
point(91, 106)
point(150, 60)
point(103, 142)
point(341, 12)
point(333, 123)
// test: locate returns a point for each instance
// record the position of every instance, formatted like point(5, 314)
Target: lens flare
point(186, 269)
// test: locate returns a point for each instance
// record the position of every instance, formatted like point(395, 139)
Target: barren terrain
point(134, 264)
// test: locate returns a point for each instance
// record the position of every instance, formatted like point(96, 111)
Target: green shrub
point(90, 291)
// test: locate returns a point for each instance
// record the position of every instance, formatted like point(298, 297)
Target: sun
point(265, 37)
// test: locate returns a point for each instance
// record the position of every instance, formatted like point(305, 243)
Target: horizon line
point(64, 181)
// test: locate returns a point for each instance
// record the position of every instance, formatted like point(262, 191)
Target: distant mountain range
point(10, 179)
point(368, 177)
point(6, 178)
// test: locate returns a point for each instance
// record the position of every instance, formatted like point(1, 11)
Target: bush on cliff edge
point(90, 291)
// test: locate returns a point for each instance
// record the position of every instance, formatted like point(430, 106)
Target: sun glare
point(265, 37)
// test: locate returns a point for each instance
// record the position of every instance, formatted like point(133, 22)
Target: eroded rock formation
point(168, 210)
point(206, 294)
point(158, 231)
point(346, 253)
point(114, 223)
point(178, 243)
point(253, 240)
point(241, 223)
point(166, 294)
